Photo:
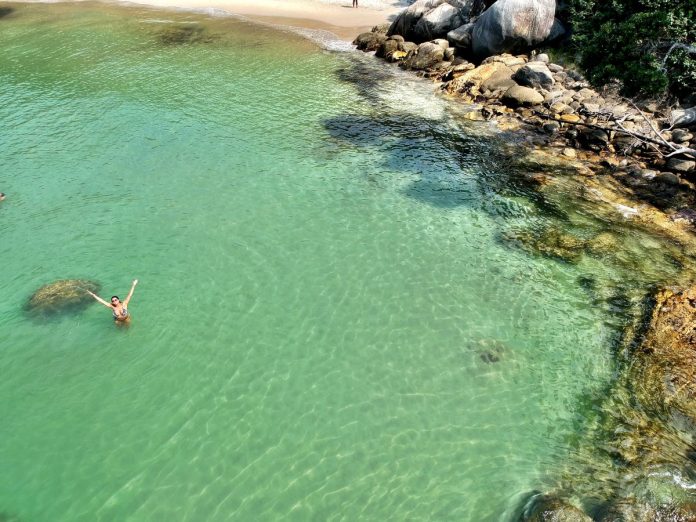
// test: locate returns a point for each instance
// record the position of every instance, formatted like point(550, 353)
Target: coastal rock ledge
point(664, 372)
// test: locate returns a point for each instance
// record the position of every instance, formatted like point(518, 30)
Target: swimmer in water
point(2, 196)
point(118, 308)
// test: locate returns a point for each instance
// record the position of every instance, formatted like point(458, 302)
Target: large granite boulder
point(534, 74)
point(664, 372)
point(407, 19)
point(60, 296)
point(460, 38)
point(512, 25)
point(426, 56)
point(429, 19)
point(437, 22)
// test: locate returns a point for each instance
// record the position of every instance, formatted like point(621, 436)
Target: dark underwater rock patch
point(490, 350)
point(6, 11)
point(184, 34)
point(548, 241)
point(65, 295)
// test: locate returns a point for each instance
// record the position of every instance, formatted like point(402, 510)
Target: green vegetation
point(646, 44)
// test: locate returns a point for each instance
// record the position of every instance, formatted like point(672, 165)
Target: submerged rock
point(547, 508)
point(182, 34)
point(665, 370)
point(490, 350)
point(61, 296)
point(548, 241)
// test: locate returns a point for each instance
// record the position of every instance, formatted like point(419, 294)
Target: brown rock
point(664, 373)
point(681, 165)
point(470, 82)
point(519, 95)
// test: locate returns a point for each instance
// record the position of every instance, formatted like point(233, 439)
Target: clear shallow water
point(321, 287)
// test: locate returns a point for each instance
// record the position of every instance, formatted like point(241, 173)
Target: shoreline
point(340, 20)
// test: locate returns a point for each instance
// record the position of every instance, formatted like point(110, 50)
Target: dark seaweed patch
point(5, 11)
point(184, 34)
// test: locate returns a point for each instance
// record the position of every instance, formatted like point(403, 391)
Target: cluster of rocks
point(478, 27)
point(529, 90)
point(651, 429)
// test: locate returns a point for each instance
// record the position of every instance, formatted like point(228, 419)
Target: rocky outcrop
point(506, 25)
point(512, 25)
point(547, 241)
point(664, 372)
point(61, 296)
point(427, 55)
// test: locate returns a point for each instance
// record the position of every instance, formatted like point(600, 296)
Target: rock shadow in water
point(184, 34)
point(366, 78)
point(6, 11)
point(415, 146)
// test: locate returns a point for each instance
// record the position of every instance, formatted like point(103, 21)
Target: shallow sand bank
point(341, 20)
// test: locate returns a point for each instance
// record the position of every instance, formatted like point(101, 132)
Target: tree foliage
point(649, 45)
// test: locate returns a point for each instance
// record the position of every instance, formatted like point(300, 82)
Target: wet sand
point(341, 20)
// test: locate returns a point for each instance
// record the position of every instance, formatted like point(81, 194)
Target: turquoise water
point(327, 325)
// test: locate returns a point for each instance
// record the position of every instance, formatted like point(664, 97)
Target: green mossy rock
point(61, 296)
point(548, 241)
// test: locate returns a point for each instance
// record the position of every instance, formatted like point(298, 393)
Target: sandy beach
point(341, 20)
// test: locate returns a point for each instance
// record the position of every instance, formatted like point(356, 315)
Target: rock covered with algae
point(548, 508)
point(184, 34)
point(548, 241)
point(61, 296)
point(664, 373)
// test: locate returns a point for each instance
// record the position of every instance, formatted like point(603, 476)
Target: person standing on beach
point(118, 308)
point(355, 3)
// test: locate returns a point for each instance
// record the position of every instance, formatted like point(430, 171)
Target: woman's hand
point(135, 282)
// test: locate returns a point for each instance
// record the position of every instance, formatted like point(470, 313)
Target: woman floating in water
point(119, 308)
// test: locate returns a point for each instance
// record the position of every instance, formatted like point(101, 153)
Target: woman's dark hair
point(117, 297)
